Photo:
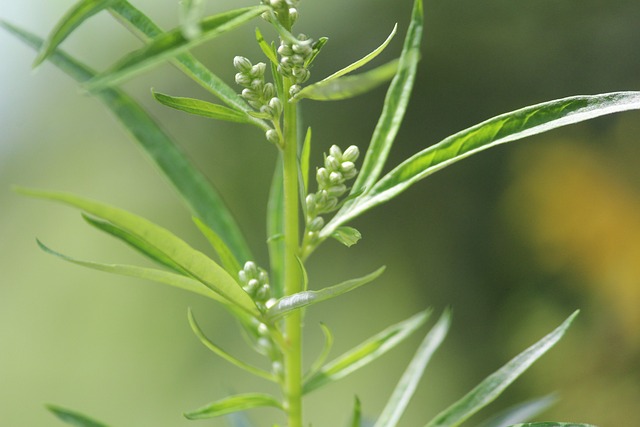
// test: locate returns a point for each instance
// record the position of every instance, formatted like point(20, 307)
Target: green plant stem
point(292, 276)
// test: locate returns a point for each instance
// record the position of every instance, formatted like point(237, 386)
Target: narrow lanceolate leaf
point(489, 389)
point(144, 28)
point(268, 51)
point(190, 15)
point(520, 413)
point(395, 104)
point(73, 418)
point(227, 259)
point(356, 420)
point(203, 108)
point(135, 243)
point(505, 128)
point(326, 349)
point(296, 301)
point(160, 276)
point(406, 387)
point(363, 61)
point(349, 86)
point(197, 192)
point(275, 230)
point(232, 404)
point(79, 13)
point(553, 424)
point(170, 44)
point(223, 354)
point(305, 155)
point(198, 265)
point(365, 353)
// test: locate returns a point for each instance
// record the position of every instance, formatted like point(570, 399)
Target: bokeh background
point(513, 239)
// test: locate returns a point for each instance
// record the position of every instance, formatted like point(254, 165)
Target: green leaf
point(553, 424)
point(356, 420)
point(170, 44)
point(79, 13)
point(134, 242)
point(521, 412)
point(228, 260)
point(232, 404)
point(223, 354)
point(73, 418)
point(406, 387)
point(363, 61)
point(198, 265)
point(268, 50)
point(304, 161)
point(326, 349)
point(317, 47)
point(296, 301)
point(348, 236)
point(190, 15)
point(498, 130)
point(275, 230)
point(492, 386)
point(154, 275)
point(395, 104)
point(197, 192)
point(203, 108)
point(144, 28)
point(349, 86)
point(365, 353)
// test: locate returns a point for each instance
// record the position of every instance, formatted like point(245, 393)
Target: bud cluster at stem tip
point(282, 8)
point(338, 168)
point(255, 282)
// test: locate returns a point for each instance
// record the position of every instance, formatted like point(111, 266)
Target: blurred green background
point(514, 239)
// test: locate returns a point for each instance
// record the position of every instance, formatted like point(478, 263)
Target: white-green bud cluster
point(280, 7)
point(293, 61)
point(339, 167)
point(255, 282)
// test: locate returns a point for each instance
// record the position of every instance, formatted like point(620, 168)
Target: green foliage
point(270, 303)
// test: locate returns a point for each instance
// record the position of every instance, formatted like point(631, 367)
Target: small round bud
point(243, 79)
point(285, 50)
point(276, 105)
point(332, 163)
point(336, 178)
point(316, 224)
point(252, 285)
point(251, 268)
point(263, 293)
point(268, 91)
point(297, 59)
point(302, 49)
point(272, 136)
point(263, 277)
point(242, 64)
point(351, 154)
point(249, 95)
point(322, 176)
point(263, 329)
point(335, 151)
point(337, 190)
point(293, 14)
point(256, 84)
point(242, 275)
point(294, 89)
point(257, 71)
point(277, 368)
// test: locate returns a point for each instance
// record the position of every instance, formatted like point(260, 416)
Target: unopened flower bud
point(322, 176)
point(263, 277)
point(351, 154)
point(242, 64)
point(249, 95)
point(257, 71)
point(272, 136)
point(268, 91)
point(263, 293)
point(263, 329)
point(242, 275)
point(316, 224)
point(331, 163)
point(285, 50)
point(251, 268)
point(335, 151)
point(337, 190)
point(243, 79)
point(293, 14)
point(294, 89)
point(336, 178)
point(276, 105)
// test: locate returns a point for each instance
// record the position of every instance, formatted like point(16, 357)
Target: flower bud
point(263, 329)
point(351, 154)
point(276, 105)
point(249, 95)
point(294, 89)
point(242, 64)
point(336, 178)
point(322, 176)
point(272, 136)
point(252, 286)
point(335, 151)
point(285, 50)
point(263, 277)
point(293, 14)
point(243, 79)
point(316, 224)
point(337, 190)
point(297, 59)
point(257, 71)
point(269, 91)
point(263, 293)
point(331, 163)
point(242, 275)
point(277, 368)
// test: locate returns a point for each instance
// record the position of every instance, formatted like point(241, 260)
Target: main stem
point(292, 274)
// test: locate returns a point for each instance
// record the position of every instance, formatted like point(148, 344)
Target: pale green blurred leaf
point(170, 44)
point(275, 230)
point(552, 424)
point(492, 386)
point(326, 349)
point(406, 387)
point(520, 413)
point(232, 404)
point(305, 155)
point(190, 16)
point(267, 49)
point(223, 354)
point(192, 185)
point(199, 266)
point(79, 13)
point(160, 276)
point(73, 418)
point(296, 301)
point(365, 353)
point(356, 420)
point(202, 108)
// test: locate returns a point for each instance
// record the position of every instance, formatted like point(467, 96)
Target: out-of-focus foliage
point(514, 240)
